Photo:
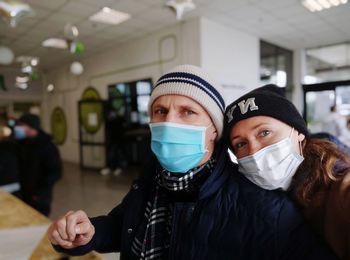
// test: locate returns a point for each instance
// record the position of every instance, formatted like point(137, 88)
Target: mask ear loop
point(301, 148)
point(291, 133)
point(299, 142)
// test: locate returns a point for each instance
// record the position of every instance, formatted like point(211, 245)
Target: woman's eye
point(265, 133)
point(239, 145)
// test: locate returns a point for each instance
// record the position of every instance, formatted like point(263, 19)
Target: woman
point(190, 205)
point(272, 144)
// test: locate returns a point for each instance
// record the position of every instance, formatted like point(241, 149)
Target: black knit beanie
point(31, 120)
point(268, 100)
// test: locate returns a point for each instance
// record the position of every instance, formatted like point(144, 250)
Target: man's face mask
point(178, 147)
point(273, 166)
point(19, 132)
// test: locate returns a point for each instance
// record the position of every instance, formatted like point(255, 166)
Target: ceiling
point(283, 22)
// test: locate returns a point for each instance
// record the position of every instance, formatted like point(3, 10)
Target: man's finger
point(61, 228)
point(83, 228)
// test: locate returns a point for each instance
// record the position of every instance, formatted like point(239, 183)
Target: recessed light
point(109, 16)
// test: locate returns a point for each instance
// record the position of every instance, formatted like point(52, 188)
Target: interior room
point(86, 69)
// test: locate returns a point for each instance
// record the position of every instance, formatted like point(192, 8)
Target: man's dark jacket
point(232, 219)
point(40, 166)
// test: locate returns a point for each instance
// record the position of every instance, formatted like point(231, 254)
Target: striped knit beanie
point(193, 82)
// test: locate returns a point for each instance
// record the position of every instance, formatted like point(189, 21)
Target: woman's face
point(250, 135)
point(183, 110)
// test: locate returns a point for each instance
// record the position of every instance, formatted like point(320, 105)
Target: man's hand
point(72, 230)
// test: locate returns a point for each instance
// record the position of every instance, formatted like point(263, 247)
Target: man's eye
point(189, 112)
point(159, 111)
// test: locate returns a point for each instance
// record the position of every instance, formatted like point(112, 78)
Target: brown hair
point(323, 165)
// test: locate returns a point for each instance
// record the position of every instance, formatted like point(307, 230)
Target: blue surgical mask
point(19, 133)
point(178, 147)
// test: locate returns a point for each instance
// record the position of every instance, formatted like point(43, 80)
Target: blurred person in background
point(336, 124)
point(115, 127)
point(9, 179)
point(39, 163)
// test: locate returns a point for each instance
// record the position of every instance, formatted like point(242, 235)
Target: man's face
point(183, 110)
point(29, 131)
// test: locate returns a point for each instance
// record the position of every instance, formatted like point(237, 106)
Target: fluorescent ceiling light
point(319, 5)
point(55, 43)
point(109, 16)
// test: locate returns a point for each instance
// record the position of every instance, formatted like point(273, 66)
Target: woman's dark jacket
point(232, 219)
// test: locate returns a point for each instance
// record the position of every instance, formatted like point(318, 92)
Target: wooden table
point(14, 213)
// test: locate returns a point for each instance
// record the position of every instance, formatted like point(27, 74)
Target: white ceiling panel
point(227, 5)
point(158, 13)
point(78, 9)
point(283, 22)
point(154, 2)
point(49, 4)
point(89, 28)
point(275, 4)
point(97, 3)
point(65, 18)
point(132, 7)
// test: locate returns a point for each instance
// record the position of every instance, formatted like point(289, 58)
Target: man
point(335, 124)
point(192, 203)
point(40, 165)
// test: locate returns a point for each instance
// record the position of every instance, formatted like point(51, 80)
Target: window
point(130, 99)
point(328, 63)
point(276, 65)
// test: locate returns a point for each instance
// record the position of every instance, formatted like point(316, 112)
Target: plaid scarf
point(152, 240)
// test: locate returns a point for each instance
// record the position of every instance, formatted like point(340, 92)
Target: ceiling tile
point(65, 18)
point(132, 7)
point(286, 23)
point(89, 28)
point(120, 30)
point(50, 5)
point(158, 14)
point(273, 4)
point(228, 6)
point(97, 3)
point(79, 9)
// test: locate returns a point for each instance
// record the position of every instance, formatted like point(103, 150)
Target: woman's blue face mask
point(178, 147)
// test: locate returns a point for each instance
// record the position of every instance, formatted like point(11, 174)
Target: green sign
point(58, 126)
point(91, 112)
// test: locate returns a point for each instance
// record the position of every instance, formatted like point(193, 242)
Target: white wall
point(145, 57)
point(231, 56)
